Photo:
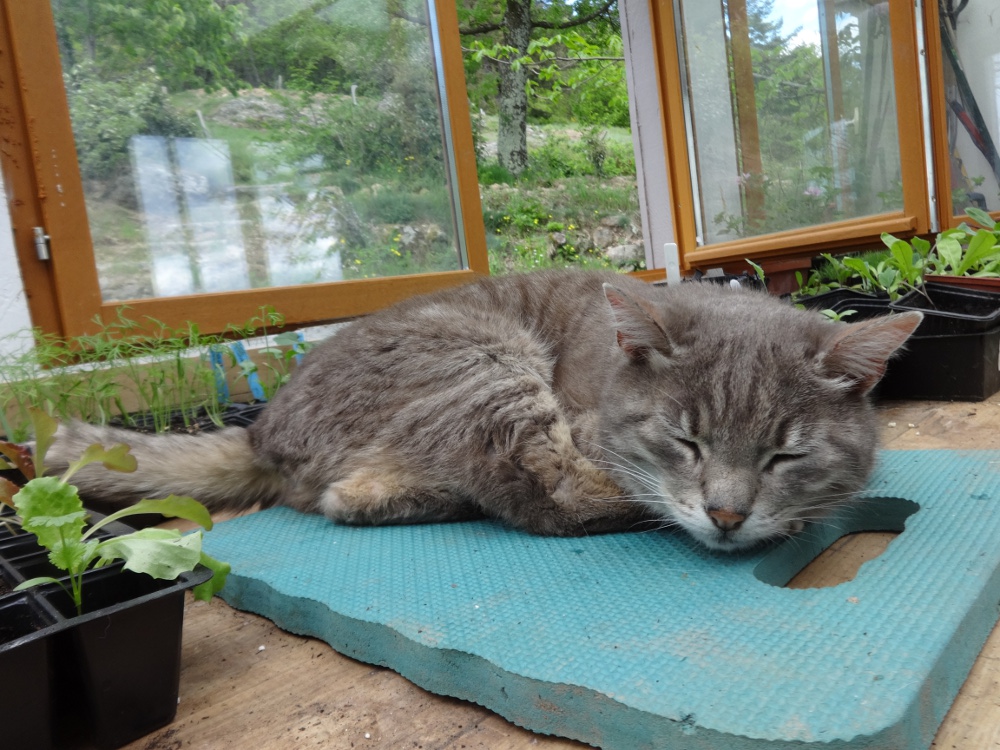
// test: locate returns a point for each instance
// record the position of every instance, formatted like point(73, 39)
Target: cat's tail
point(217, 468)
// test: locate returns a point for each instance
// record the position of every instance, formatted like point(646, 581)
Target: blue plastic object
point(218, 364)
point(253, 380)
point(647, 640)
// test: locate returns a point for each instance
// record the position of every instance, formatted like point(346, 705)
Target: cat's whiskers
point(836, 500)
point(662, 524)
point(646, 481)
point(629, 468)
point(644, 498)
point(627, 462)
point(635, 497)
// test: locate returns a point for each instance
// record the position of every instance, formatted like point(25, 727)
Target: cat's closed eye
point(693, 449)
point(781, 459)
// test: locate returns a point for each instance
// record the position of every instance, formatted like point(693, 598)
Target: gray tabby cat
point(561, 403)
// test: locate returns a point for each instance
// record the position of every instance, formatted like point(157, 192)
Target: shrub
point(558, 157)
point(107, 114)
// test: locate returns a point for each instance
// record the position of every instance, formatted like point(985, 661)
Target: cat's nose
point(726, 520)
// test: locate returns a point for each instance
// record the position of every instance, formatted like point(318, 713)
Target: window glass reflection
point(792, 109)
point(235, 145)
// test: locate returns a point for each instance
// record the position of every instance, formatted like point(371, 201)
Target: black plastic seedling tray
point(951, 310)
point(841, 300)
point(106, 677)
point(955, 353)
point(25, 680)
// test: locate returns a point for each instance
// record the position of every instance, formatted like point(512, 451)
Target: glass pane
point(791, 106)
point(236, 145)
point(971, 53)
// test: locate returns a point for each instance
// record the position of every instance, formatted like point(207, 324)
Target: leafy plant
point(960, 251)
point(908, 260)
point(834, 315)
point(965, 250)
point(93, 377)
point(107, 114)
point(881, 277)
point(51, 509)
point(595, 142)
point(893, 272)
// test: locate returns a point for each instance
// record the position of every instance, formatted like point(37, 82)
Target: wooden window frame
point(44, 189)
point(806, 241)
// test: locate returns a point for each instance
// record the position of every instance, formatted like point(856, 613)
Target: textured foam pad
point(646, 639)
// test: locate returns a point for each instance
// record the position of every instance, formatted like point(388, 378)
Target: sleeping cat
point(561, 403)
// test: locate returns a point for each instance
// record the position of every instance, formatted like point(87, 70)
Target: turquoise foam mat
point(646, 640)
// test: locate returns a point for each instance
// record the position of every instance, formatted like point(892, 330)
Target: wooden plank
point(842, 560)
point(245, 683)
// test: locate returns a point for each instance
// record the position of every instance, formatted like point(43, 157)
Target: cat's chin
point(723, 544)
point(727, 543)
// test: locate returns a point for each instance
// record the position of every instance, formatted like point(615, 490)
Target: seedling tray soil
point(108, 676)
point(233, 415)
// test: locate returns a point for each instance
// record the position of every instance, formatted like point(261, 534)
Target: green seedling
point(164, 372)
point(982, 218)
point(50, 508)
point(839, 316)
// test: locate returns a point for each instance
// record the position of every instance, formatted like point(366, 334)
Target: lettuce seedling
point(51, 509)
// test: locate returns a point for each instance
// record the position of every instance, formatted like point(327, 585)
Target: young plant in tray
point(276, 358)
point(51, 509)
point(878, 272)
point(837, 316)
point(959, 251)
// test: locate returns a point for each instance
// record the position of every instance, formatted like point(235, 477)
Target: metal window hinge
point(42, 244)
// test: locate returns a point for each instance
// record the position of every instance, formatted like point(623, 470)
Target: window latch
point(42, 244)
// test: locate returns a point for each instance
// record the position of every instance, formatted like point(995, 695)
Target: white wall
point(14, 318)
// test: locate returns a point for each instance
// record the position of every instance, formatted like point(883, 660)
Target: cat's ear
point(858, 353)
point(637, 325)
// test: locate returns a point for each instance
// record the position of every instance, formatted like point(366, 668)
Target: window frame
point(44, 189)
point(915, 218)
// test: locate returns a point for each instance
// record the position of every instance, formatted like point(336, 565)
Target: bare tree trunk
point(512, 137)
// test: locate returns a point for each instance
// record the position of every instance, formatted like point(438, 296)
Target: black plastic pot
point(952, 309)
point(955, 353)
point(840, 300)
point(982, 283)
point(107, 676)
point(25, 681)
